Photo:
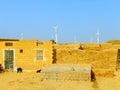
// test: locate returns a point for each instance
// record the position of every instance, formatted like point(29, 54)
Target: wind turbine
point(91, 40)
point(21, 36)
point(98, 36)
point(52, 37)
point(56, 33)
point(75, 39)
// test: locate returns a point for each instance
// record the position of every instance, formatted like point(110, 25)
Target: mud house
point(27, 54)
point(104, 58)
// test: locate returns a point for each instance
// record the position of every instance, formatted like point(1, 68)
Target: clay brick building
point(27, 54)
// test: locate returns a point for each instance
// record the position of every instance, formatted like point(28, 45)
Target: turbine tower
point(56, 33)
point(74, 39)
point(21, 36)
point(91, 40)
point(98, 37)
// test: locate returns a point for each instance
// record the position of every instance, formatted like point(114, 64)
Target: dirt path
point(31, 81)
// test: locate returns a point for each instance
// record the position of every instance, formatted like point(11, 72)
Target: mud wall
point(101, 57)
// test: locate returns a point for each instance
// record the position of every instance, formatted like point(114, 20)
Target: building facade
point(26, 54)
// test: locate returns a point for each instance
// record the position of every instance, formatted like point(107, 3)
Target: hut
point(26, 54)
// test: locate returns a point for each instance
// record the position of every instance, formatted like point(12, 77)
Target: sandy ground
point(31, 81)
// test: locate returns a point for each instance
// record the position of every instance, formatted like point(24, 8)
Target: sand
point(32, 81)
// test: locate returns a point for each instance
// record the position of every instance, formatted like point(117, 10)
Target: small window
point(21, 50)
point(39, 43)
point(39, 55)
point(8, 44)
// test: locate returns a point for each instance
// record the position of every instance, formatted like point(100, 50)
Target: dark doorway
point(118, 59)
point(9, 59)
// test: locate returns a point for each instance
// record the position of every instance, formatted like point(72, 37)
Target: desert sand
point(32, 81)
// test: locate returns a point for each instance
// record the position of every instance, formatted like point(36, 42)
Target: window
point(39, 55)
point(8, 44)
point(21, 50)
point(39, 43)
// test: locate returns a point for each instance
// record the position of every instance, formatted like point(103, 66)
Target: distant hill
point(114, 41)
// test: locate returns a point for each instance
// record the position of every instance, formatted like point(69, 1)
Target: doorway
point(118, 59)
point(9, 59)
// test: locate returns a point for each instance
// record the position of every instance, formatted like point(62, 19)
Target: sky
point(77, 20)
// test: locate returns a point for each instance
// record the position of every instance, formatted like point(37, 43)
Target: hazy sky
point(77, 20)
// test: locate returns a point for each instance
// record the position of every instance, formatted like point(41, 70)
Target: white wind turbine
point(98, 36)
point(21, 36)
point(56, 33)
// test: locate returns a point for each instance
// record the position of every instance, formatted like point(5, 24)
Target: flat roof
point(6, 39)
